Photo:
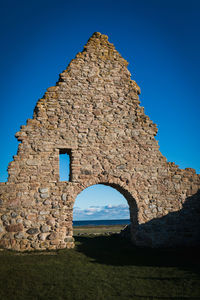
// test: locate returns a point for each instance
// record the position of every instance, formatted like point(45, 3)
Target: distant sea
point(101, 222)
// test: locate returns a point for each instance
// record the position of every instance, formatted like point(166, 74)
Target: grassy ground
point(100, 268)
point(101, 229)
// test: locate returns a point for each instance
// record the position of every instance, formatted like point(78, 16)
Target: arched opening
point(103, 208)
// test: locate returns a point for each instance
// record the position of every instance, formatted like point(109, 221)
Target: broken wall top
point(93, 110)
point(97, 76)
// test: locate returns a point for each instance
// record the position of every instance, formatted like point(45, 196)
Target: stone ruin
point(93, 113)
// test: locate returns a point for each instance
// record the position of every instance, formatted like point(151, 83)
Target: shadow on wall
point(175, 230)
point(180, 228)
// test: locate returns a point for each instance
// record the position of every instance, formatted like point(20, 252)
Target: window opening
point(65, 164)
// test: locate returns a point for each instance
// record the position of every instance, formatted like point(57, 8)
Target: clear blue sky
point(160, 39)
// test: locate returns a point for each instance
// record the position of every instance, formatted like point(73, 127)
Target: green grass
point(100, 267)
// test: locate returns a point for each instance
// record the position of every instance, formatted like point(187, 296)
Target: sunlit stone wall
point(94, 112)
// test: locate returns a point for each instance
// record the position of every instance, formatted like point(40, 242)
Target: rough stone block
point(43, 190)
point(45, 228)
point(53, 236)
point(14, 228)
point(19, 235)
point(44, 196)
point(64, 197)
point(32, 231)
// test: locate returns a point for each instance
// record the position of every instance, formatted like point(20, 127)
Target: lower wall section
point(36, 231)
point(27, 245)
point(41, 218)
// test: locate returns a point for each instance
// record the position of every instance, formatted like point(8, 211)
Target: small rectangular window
point(65, 164)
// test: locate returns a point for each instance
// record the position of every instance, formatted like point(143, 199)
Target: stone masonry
point(93, 112)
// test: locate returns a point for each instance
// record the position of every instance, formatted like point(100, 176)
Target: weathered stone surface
point(51, 222)
point(47, 202)
point(19, 221)
point(44, 196)
point(14, 214)
point(32, 231)
point(64, 197)
point(4, 218)
point(19, 235)
point(14, 228)
point(45, 228)
point(43, 190)
point(69, 239)
point(55, 242)
point(32, 162)
point(44, 212)
point(5, 244)
point(93, 113)
point(42, 236)
point(53, 236)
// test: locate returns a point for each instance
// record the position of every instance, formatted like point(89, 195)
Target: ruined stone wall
point(93, 111)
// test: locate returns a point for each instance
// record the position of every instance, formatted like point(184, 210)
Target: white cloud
point(106, 212)
point(89, 213)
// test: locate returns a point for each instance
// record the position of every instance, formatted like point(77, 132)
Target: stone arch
point(115, 182)
point(131, 200)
